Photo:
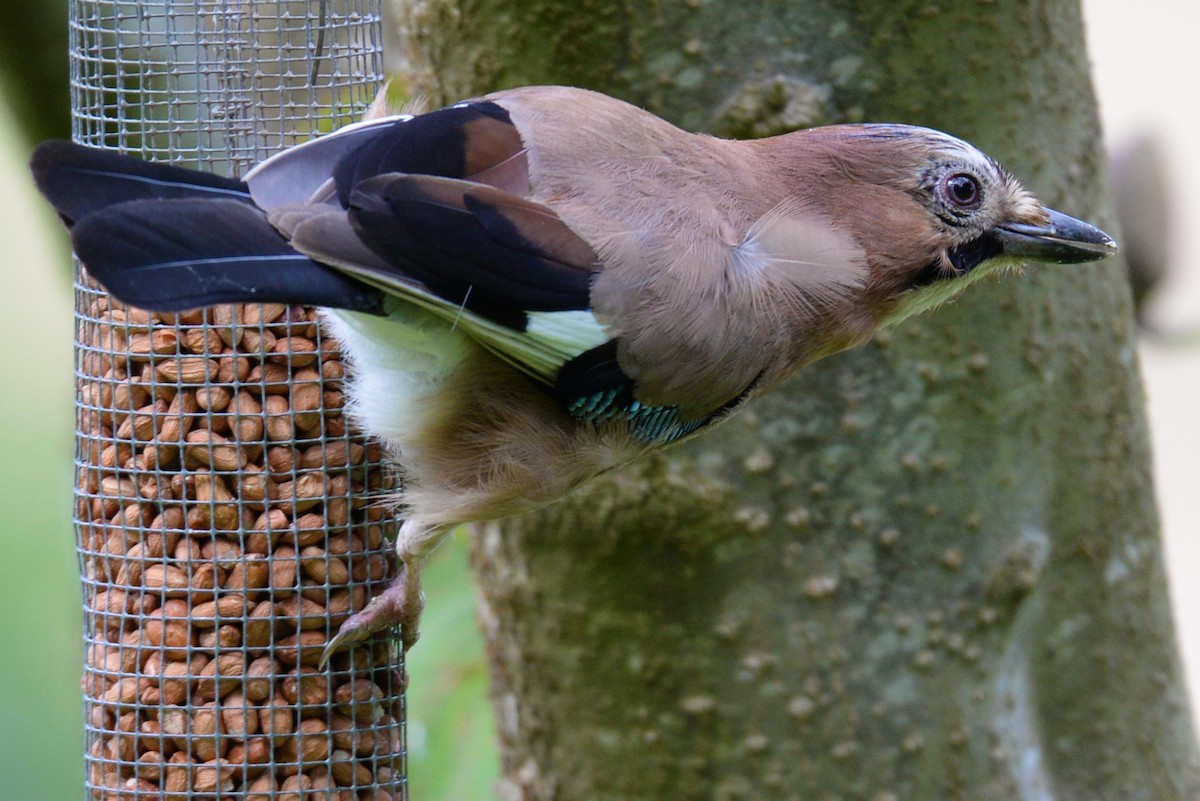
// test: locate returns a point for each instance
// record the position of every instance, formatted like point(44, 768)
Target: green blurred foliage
point(451, 731)
point(40, 624)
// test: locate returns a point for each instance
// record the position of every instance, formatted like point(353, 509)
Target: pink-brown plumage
point(541, 284)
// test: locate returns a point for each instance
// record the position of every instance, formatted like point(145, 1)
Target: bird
point(541, 284)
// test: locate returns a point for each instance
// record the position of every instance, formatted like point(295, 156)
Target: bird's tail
point(166, 238)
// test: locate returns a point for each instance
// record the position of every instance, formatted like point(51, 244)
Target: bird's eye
point(962, 190)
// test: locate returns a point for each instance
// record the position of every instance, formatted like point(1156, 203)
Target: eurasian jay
point(538, 285)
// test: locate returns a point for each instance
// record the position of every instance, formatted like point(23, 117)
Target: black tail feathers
point(169, 255)
point(166, 238)
point(80, 180)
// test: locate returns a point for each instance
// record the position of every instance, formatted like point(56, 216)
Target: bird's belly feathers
point(475, 438)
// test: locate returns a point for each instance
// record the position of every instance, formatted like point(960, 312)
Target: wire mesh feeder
point(226, 516)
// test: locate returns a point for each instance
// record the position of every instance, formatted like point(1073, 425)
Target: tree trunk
point(926, 569)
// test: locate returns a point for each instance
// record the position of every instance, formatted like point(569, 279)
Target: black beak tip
point(1111, 248)
point(1061, 240)
point(1103, 247)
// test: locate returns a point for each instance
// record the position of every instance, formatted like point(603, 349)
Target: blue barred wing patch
point(653, 425)
point(595, 390)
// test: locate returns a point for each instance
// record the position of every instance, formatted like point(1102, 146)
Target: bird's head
point(933, 214)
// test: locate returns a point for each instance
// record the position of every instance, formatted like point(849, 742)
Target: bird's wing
point(436, 209)
point(506, 270)
point(474, 141)
point(433, 209)
point(299, 173)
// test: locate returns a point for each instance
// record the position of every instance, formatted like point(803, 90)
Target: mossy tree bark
point(927, 569)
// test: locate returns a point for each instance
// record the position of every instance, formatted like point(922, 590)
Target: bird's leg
point(402, 602)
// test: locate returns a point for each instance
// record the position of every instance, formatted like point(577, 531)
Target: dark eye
point(962, 190)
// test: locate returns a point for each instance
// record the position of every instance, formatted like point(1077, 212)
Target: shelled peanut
point(228, 524)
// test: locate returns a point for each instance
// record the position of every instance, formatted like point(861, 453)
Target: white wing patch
point(551, 340)
point(403, 360)
point(569, 333)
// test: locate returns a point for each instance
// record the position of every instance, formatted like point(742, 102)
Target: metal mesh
point(227, 517)
point(219, 83)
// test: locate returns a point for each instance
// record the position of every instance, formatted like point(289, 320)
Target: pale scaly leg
point(402, 602)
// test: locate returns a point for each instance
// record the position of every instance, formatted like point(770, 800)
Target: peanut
point(304, 647)
point(260, 675)
point(221, 516)
point(239, 718)
point(221, 675)
point(207, 448)
point(323, 568)
point(186, 370)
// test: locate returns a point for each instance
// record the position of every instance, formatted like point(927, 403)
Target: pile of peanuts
point(228, 524)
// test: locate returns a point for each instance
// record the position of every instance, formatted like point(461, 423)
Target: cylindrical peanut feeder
point(228, 518)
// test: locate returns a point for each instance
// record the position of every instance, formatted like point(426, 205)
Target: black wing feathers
point(474, 246)
point(169, 255)
point(594, 381)
point(595, 389)
point(524, 225)
point(455, 142)
point(79, 180)
point(165, 237)
point(439, 199)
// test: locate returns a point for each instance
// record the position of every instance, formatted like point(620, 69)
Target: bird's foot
point(399, 605)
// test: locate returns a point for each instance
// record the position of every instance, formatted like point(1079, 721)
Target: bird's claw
point(399, 605)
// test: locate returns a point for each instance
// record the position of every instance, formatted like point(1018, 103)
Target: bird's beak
point(1061, 240)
